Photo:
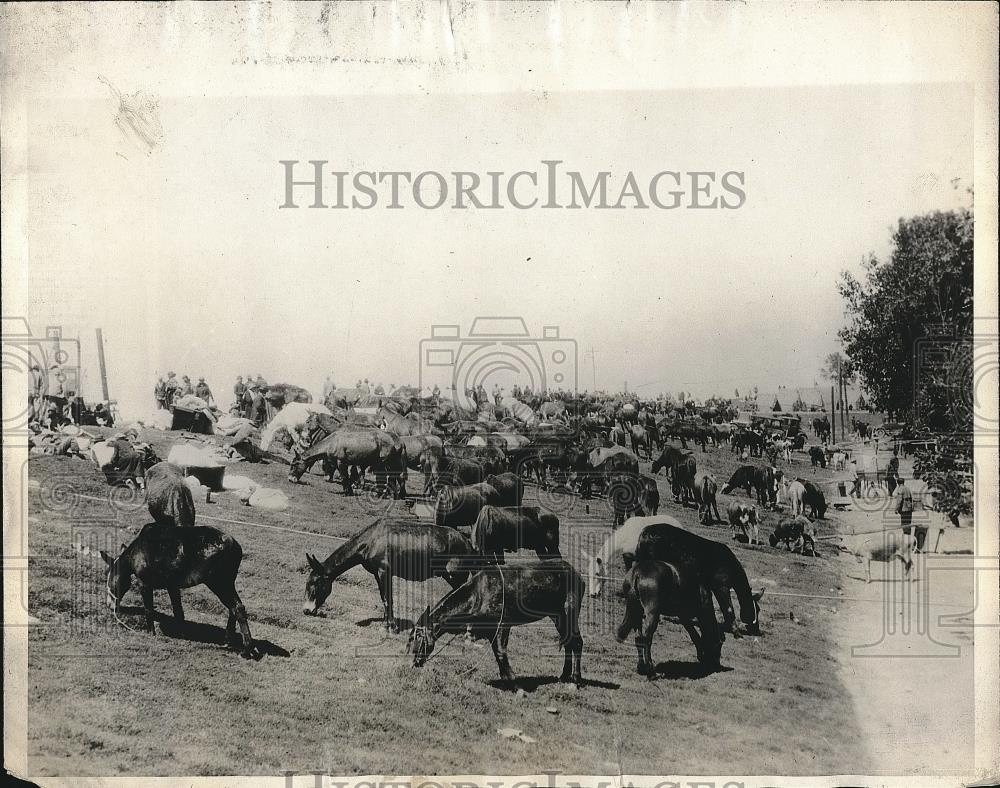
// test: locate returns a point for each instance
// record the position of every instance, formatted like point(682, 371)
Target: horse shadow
point(403, 623)
point(675, 669)
point(531, 683)
point(197, 632)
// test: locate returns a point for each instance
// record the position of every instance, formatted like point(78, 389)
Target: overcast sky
point(181, 253)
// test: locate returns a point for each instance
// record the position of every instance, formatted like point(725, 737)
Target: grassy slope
point(104, 700)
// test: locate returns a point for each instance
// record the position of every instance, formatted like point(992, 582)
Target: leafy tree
point(909, 337)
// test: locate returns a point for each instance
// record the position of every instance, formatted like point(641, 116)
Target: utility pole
point(833, 420)
point(100, 361)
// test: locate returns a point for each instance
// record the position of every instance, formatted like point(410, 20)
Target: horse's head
point(318, 586)
point(118, 578)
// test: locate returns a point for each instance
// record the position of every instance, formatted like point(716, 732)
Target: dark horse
point(176, 558)
point(761, 479)
point(656, 588)
point(682, 470)
point(499, 598)
point(392, 548)
point(711, 562)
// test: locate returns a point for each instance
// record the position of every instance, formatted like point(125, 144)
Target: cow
point(798, 530)
point(497, 530)
point(762, 479)
point(705, 494)
point(817, 456)
point(169, 499)
point(744, 517)
point(839, 461)
point(886, 546)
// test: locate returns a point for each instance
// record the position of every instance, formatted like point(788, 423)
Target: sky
point(180, 252)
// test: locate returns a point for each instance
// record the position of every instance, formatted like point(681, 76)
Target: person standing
point(904, 507)
point(238, 389)
point(328, 387)
point(160, 393)
point(202, 391)
point(892, 474)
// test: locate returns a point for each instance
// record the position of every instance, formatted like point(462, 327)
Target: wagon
point(788, 425)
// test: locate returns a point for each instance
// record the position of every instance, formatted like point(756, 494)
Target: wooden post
point(833, 417)
point(104, 369)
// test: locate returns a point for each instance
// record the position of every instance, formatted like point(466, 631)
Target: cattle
point(839, 461)
point(817, 456)
point(682, 469)
point(886, 547)
point(798, 530)
point(711, 562)
point(744, 517)
point(762, 479)
point(169, 499)
point(705, 494)
point(497, 530)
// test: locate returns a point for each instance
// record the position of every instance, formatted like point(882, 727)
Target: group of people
point(169, 390)
point(250, 400)
point(53, 403)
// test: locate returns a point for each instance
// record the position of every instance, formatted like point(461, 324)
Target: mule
point(706, 496)
point(497, 599)
point(176, 558)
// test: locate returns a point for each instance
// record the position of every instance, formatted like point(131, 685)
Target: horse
point(176, 558)
point(370, 448)
point(623, 540)
point(713, 563)
point(682, 469)
point(525, 528)
point(640, 437)
point(657, 588)
point(763, 480)
point(705, 494)
point(501, 597)
point(391, 548)
point(168, 498)
point(797, 529)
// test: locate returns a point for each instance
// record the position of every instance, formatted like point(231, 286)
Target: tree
point(909, 337)
point(905, 304)
point(835, 366)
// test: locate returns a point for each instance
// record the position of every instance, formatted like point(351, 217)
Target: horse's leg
point(147, 603)
point(650, 621)
point(226, 592)
point(711, 637)
point(724, 598)
point(175, 601)
point(345, 476)
point(499, 644)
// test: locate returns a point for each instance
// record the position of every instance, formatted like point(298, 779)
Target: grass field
point(336, 694)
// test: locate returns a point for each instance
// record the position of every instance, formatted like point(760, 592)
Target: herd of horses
point(475, 474)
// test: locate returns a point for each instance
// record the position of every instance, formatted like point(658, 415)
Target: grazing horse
point(622, 541)
point(176, 558)
point(368, 448)
point(744, 517)
point(169, 499)
point(817, 456)
point(501, 597)
point(814, 499)
point(713, 563)
point(682, 468)
point(657, 588)
point(392, 548)
point(763, 480)
point(525, 528)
